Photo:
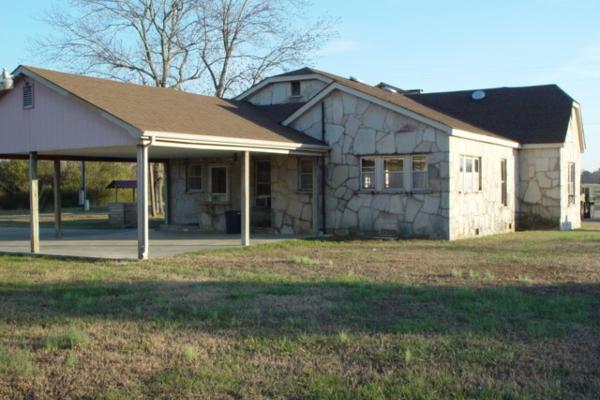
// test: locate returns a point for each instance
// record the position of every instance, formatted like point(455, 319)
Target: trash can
point(233, 222)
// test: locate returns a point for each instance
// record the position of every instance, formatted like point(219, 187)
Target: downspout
point(323, 186)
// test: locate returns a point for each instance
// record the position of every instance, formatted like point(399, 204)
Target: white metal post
point(57, 201)
point(142, 202)
point(34, 203)
point(245, 198)
point(315, 197)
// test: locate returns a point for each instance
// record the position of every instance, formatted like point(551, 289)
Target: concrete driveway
point(118, 243)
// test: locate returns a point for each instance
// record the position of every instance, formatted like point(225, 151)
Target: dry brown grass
point(511, 316)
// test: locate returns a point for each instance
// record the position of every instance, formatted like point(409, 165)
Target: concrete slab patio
point(118, 243)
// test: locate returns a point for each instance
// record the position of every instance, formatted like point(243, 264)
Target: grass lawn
point(514, 316)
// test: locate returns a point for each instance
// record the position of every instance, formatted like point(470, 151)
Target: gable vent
point(28, 95)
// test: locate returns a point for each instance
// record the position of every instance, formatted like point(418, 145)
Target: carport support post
point(57, 203)
point(33, 203)
point(142, 201)
point(245, 198)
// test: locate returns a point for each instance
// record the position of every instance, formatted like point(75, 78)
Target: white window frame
point(425, 172)
point(189, 176)
point(300, 174)
point(470, 182)
point(379, 173)
point(210, 189)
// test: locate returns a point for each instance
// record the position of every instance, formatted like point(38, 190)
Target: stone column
point(142, 202)
point(57, 201)
point(34, 203)
point(245, 210)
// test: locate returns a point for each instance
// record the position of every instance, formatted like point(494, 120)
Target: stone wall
point(292, 210)
point(481, 212)
point(355, 127)
point(539, 187)
point(570, 216)
point(281, 92)
point(193, 207)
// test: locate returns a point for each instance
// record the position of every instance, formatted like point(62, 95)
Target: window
point(402, 172)
point(367, 173)
point(503, 183)
point(393, 173)
point(28, 95)
point(296, 89)
point(194, 177)
point(419, 172)
point(218, 184)
point(263, 184)
point(571, 183)
point(305, 175)
point(470, 174)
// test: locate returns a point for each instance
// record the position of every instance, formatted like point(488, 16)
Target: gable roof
point(534, 114)
point(168, 110)
point(396, 99)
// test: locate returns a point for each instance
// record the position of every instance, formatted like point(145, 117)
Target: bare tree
point(242, 41)
point(145, 41)
point(175, 43)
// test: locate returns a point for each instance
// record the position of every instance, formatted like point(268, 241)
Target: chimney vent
point(7, 80)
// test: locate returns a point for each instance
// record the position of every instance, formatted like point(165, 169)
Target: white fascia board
point(577, 110)
point(278, 79)
point(484, 138)
point(228, 143)
point(542, 146)
point(132, 130)
point(338, 86)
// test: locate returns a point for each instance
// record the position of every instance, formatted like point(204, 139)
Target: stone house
point(307, 152)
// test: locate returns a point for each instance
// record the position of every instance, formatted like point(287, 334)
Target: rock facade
point(481, 212)
point(291, 210)
point(355, 127)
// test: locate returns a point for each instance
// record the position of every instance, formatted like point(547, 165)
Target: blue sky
point(432, 45)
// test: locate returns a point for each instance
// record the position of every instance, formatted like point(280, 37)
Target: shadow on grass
point(247, 308)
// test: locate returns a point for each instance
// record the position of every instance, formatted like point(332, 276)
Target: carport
point(48, 115)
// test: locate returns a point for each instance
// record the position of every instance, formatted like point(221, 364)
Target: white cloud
point(340, 46)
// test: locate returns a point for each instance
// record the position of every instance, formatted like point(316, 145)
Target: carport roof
point(151, 109)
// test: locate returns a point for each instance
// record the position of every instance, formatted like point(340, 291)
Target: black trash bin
point(233, 222)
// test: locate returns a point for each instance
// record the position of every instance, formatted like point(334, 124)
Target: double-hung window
point(393, 173)
point(503, 182)
point(367, 173)
point(305, 175)
point(194, 177)
point(571, 183)
point(263, 183)
point(470, 174)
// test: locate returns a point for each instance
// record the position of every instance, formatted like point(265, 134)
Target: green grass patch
point(68, 338)
point(15, 362)
point(303, 260)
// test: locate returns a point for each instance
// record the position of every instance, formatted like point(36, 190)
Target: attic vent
point(27, 95)
point(478, 95)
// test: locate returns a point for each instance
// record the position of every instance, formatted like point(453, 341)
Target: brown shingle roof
point(168, 110)
point(399, 100)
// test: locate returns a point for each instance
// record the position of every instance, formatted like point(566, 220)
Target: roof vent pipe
point(7, 80)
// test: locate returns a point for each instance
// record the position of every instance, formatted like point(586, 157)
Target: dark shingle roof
point(534, 114)
point(279, 112)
